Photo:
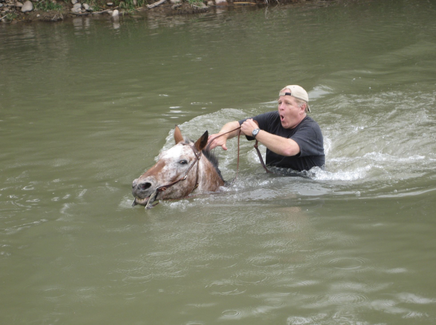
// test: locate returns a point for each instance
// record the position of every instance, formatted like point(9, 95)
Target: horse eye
point(183, 162)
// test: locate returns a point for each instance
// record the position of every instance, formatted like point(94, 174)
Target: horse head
point(179, 171)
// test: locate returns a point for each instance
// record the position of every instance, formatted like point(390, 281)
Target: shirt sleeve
point(309, 139)
point(265, 121)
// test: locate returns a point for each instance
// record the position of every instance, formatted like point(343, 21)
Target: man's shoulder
point(267, 120)
point(309, 122)
point(267, 115)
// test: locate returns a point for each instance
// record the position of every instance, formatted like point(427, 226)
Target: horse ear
point(202, 141)
point(178, 137)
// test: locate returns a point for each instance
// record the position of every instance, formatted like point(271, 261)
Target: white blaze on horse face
point(175, 155)
point(174, 169)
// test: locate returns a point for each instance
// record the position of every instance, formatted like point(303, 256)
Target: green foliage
point(128, 4)
point(10, 16)
point(95, 5)
point(47, 5)
point(195, 2)
point(131, 4)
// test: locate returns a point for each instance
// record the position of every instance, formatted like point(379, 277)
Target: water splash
point(374, 144)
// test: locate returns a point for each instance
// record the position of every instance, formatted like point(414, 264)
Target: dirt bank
point(13, 11)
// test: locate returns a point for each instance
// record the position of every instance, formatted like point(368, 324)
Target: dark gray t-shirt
point(308, 136)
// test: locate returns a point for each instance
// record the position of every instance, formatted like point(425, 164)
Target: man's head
point(292, 106)
point(297, 92)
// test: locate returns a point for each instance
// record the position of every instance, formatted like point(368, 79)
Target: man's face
point(290, 111)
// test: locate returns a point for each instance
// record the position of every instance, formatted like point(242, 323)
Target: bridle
point(197, 154)
point(162, 188)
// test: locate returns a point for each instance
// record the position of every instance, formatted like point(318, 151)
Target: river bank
point(13, 11)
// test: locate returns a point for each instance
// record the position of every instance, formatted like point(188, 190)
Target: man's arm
point(280, 145)
point(220, 139)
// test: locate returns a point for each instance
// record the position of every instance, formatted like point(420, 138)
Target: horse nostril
point(144, 186)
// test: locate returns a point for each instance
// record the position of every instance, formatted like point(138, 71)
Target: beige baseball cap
point(297, 92)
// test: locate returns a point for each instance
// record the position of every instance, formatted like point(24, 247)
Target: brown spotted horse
point(186, 168)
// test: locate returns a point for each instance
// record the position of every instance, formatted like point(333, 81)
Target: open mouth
point(139, 201)
point(148, 202)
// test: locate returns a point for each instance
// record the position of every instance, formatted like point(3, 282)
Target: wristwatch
point(255, 132)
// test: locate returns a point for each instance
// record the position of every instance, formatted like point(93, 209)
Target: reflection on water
point(86, 105)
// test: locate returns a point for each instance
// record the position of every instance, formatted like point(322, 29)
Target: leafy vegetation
point(48, 5)
point(195, 2)
point(10, 16)
point(131, 4)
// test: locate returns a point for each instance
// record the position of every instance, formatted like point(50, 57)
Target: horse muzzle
point(143, 191)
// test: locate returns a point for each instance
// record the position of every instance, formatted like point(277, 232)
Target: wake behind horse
point(186, 168)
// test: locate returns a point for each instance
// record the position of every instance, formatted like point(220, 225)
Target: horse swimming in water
point(186, 168)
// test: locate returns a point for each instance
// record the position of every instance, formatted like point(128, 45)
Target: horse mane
point(209, 156)
point(214, 161)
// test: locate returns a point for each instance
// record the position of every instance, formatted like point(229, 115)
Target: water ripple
point(347, 263)
point(225, 288)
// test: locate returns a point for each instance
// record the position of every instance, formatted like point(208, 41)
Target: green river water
point(86, 105)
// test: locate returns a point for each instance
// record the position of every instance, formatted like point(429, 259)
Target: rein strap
point(255, 146)
point(163, 188)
